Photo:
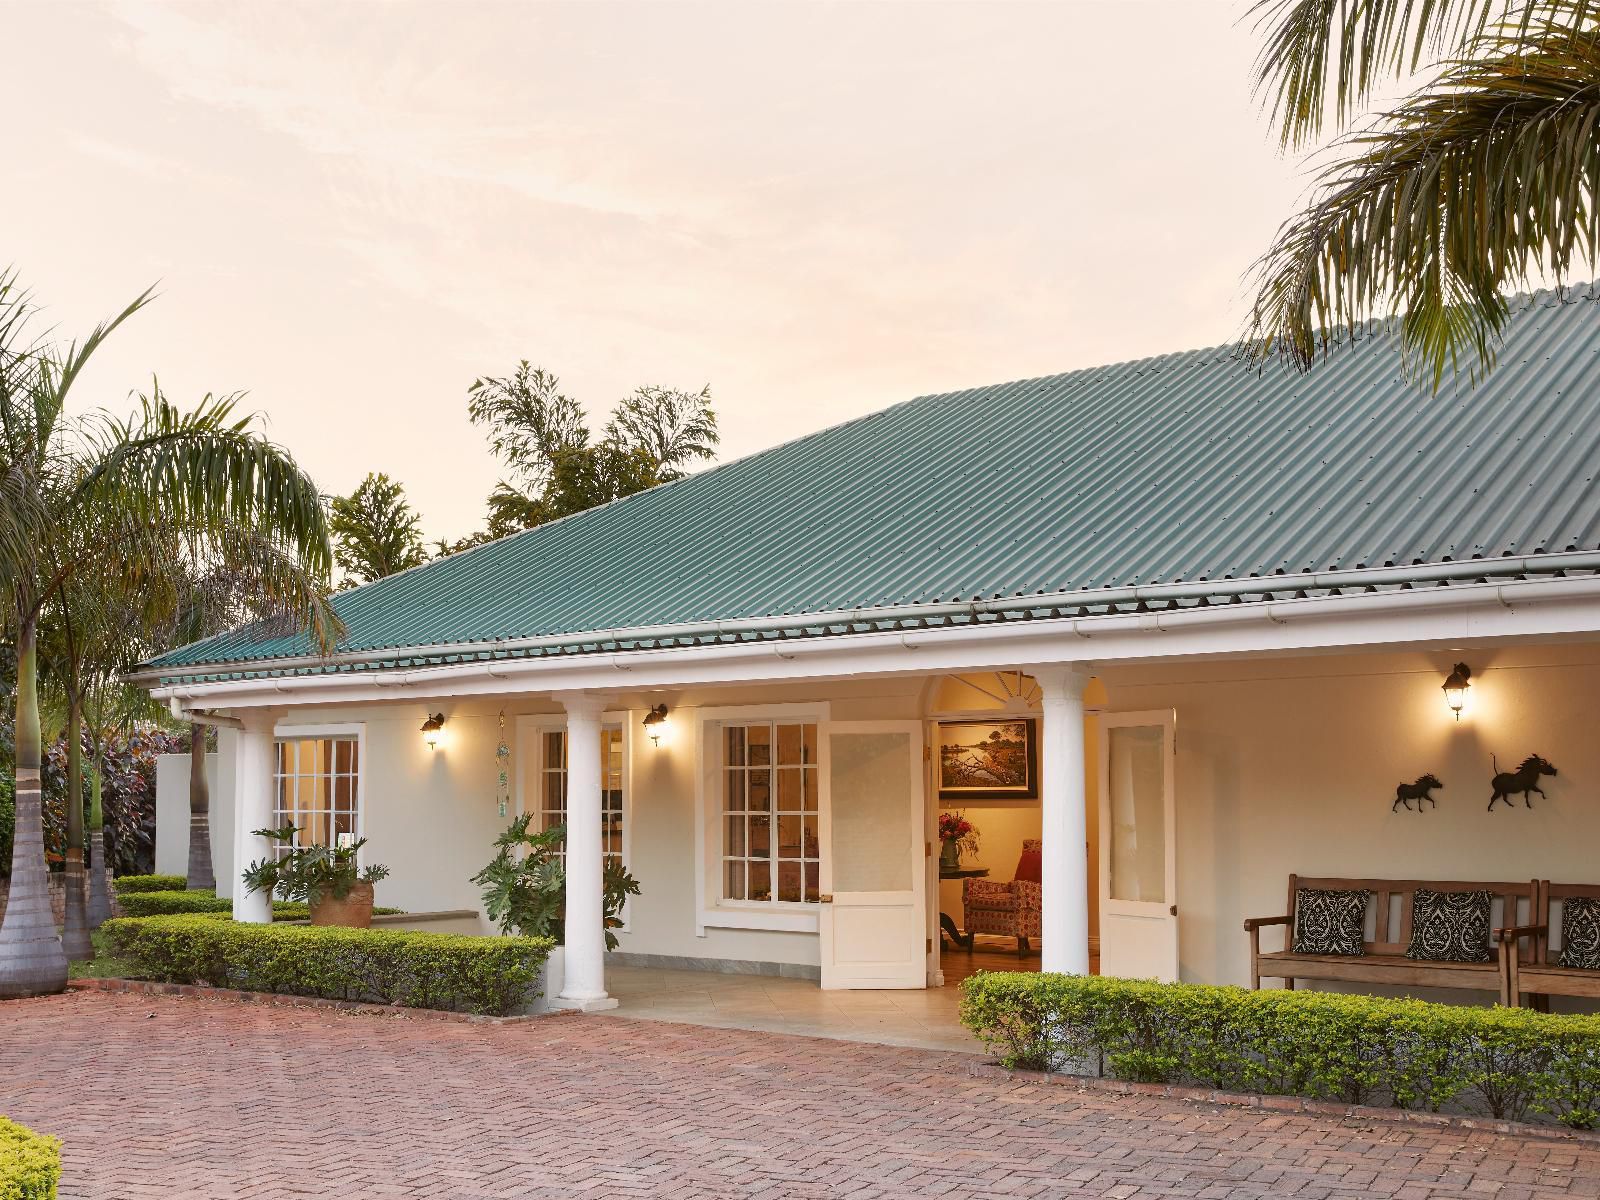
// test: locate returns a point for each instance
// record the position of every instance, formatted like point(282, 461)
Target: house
point(1218, 600)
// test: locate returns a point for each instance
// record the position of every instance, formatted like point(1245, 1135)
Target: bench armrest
point(1251, 924)
point(1515, 933)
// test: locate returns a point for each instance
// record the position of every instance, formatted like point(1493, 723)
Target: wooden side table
point(947, 925)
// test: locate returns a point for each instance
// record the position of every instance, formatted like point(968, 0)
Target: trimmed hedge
point(128, 885)
point(489, 975)
point(1507, 1062)
point(30, 1163)
point(168, 904)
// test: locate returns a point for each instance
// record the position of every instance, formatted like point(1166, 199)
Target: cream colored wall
point(1282, 765)
point(1292, 765)
point(662, 848)
point(172, 813)
point(172, 816)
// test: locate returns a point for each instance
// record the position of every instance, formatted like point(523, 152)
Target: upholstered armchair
point(1007, 909)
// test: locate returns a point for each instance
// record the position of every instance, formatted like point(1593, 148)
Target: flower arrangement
point(955, 830)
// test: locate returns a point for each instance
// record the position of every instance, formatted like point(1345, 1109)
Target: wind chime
point(502, 758)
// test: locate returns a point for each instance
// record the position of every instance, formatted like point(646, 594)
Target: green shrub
point(413, 970)
point(171, 904)
point(1322, 1045)
point(30, 1163)
point(8, 823)
point(127, 885)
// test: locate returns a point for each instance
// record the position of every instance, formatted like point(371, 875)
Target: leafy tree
point(100, 490)
point(556, 466)
point(375, 530)
point(1485, 176)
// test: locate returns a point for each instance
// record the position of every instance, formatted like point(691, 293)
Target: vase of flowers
point(956, 835)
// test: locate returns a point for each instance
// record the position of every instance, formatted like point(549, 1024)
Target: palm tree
point(1485, 177)
point(376, 532)
point(556, 467)
point(74, 493)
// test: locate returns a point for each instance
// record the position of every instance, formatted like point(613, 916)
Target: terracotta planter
point(354, 911)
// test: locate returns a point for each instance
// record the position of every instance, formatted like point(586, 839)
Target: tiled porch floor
point(773, 1005)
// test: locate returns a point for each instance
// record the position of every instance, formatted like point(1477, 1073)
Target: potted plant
point(956, 834)
point(327, 878)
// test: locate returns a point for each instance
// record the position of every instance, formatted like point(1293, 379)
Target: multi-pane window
point(769, 812)
point(315, 787)
point(553, 785)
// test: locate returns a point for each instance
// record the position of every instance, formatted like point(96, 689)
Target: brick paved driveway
point(171, 1097)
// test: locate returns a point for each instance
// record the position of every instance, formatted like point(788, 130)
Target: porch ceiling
point(1147, 486)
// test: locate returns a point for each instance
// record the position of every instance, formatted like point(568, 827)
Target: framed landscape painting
point(993, 759)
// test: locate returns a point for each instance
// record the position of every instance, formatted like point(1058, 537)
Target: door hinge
point(930, 946)
point(927, 849)
point(927, 752)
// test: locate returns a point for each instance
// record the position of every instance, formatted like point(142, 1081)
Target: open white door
point(874, 916)
point(1138, 846)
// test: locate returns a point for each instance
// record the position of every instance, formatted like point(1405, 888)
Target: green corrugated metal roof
point(1183, 467)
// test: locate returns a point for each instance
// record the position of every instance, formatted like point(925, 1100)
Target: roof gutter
point(199, 716)
point(1098, 639)
point(1371, 577)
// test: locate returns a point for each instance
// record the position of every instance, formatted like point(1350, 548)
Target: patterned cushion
point(1580, 933)
point(1329, 921)
point(1449, 926)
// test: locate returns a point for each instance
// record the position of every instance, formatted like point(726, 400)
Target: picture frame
point(988, 758)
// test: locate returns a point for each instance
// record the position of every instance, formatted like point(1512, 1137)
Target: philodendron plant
point(525, 887)
point(309, 873)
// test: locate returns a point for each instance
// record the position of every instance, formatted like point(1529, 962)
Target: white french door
point(1138, 846)
point(873, 921)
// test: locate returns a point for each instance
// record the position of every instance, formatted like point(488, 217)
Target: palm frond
point(1486, 178)
point(187, 469)
point(1321, 61)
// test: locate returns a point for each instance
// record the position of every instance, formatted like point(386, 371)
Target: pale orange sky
point(354, 209)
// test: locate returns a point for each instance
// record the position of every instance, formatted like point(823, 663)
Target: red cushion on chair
point(1030, 867)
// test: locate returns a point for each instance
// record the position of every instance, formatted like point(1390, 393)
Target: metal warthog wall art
point(1418, 791)
point(1524, 780)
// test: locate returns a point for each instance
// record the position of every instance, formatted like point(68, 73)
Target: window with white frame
point(770, 852)
point(552, 785)
point(315, 787)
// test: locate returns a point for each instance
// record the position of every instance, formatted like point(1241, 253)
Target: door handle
point(1173, 910)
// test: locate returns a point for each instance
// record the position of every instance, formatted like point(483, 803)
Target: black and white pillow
point(1329, 920)
point(1450, 926)
point(1580, 933)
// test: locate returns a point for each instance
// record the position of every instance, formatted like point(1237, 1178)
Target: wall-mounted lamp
point(655, 723)
point(1456, 688)
point(433, 730)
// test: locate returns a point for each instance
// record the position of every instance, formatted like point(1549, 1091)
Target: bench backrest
point(1546, 946)
point(1388, 927)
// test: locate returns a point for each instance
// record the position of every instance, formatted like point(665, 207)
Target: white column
point(584, 985)
point(1065, 918)
point(252, 808)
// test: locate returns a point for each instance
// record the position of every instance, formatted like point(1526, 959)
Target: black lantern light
point(1456, 688)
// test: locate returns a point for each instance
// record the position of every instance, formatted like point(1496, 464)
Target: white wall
point(172, 817)
point(1283, 765)
point(1291, 766)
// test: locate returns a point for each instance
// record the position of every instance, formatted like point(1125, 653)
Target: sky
point(354, 209)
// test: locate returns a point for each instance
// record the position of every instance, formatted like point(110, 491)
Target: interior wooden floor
point(993, 954)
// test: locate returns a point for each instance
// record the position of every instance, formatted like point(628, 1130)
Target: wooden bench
point(1383, 958)
point(1531, 964)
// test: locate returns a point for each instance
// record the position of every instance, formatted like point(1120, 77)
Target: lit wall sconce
point(433, 731)
point(1456, 688)
point(655, 723)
